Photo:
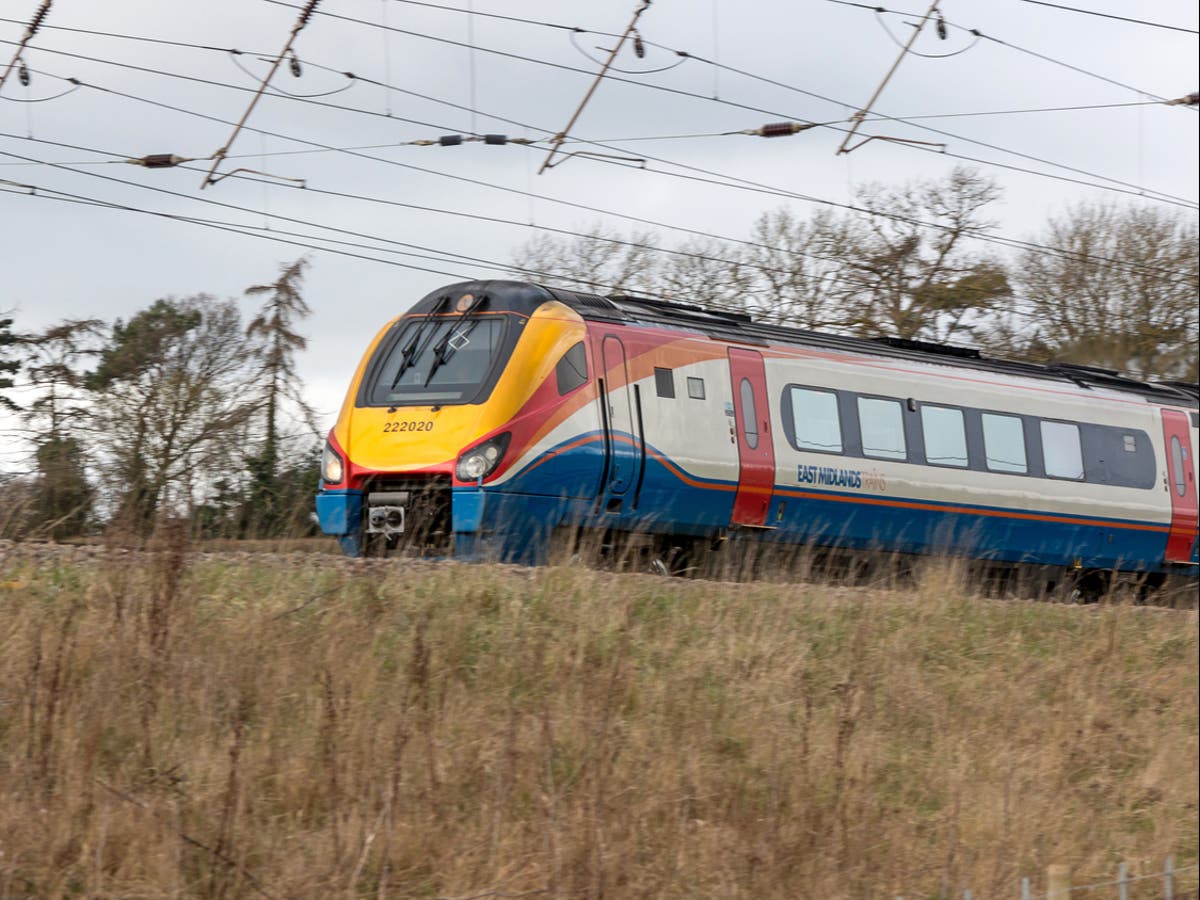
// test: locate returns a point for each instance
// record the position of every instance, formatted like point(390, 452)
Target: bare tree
point(797, 278)
point(908, 270)
point(599, 260)
point(170, 405)
point(1122, 293)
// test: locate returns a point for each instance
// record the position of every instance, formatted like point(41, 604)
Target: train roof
point(524, 297)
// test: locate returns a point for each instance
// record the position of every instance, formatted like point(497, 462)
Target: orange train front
point(495, 414)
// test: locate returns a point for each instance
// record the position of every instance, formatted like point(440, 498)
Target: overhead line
point(498, 220)
point(43, 193)
point(1138, 189)
point(754, 186)
point(1092, 12)
point(1129, 188)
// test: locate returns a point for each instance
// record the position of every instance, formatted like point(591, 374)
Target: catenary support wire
point(30, 30)
point(857, 118)
point(557, 140)
point(305, 15)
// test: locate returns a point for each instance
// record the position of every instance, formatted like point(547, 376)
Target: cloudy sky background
point(65, 260)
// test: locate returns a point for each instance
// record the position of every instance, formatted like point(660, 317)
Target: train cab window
point(1062, 451)
point(815, 421)
point(695, 388)
point(664, 383)
point(1004, 444)
point(437, 361)
point(882, 424)
point(945, 436)
point(571, 371)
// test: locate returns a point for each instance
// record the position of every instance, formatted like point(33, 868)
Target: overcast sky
point(64, 260)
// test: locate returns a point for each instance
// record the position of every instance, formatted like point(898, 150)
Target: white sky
point(60, 260)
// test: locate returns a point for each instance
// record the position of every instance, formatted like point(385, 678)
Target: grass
point(300, 727)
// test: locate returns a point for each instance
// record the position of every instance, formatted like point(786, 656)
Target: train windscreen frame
point(436, 361)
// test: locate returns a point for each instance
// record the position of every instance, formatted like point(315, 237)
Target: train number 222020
point(407, 425)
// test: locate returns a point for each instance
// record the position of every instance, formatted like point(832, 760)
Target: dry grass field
point(295, 726)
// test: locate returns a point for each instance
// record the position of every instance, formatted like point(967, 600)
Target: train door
point(624, 444)
point(756, 452)
point(1181, 485)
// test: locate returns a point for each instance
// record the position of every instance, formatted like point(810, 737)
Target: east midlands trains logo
point(828, 476)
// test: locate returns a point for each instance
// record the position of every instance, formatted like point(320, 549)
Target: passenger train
point(496, 417)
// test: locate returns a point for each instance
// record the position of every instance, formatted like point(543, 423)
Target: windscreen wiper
point(416, 346)
point(445, 348)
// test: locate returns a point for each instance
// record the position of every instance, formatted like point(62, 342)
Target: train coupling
point(385, 512)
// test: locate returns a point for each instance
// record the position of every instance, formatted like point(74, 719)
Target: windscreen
point(431, 361)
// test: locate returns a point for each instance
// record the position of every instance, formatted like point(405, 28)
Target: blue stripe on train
point(564, 481)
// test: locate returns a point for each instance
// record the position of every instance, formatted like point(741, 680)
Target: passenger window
point(1004, 444)
point(945, 436)
point(1177, 466)
point(664, 383)
point(882, 423)
point(815, 420)
point(749, 416)
point(571, 370)
point(1061, 450)
point(696, 388)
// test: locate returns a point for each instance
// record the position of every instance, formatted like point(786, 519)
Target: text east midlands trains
point(829, 476)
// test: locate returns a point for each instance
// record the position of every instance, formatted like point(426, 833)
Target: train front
point(429, 417)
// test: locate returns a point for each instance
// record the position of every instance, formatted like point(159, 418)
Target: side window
point(815, 420)
point(1004, 443)
point(696, 388)
point(882, 423)
point(749, 415)
point(1177, 466)
point(945, 436)
point(571, 370)
point(664, 383)
point(1061, 450)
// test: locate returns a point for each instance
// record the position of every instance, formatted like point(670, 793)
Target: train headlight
point(333, 470)
point(482, 459)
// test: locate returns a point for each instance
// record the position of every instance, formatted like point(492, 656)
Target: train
point(501, 421)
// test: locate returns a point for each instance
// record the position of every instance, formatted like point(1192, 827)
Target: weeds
point(201, 728)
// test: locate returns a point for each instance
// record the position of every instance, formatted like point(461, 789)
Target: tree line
point(186, 410)
point(183, 410)
point(1104, 285)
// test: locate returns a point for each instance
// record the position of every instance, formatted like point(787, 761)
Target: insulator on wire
point(38, 17)
point(639, 48)
point(23, 74)
point(294, 66)
point(495, 138)
point(780, 129)
point(941, 26)
point(308, 11)
point(158, 161)
point(450, 140)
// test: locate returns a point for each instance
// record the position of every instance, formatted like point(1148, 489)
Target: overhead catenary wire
point(856, 120)
point(1117, 186)
point(274, 236)
point(1103, 15)
point(841, 279)
point(1000, 240)
point(1125, 187)
point(556, 141)
point(875, 8)
point(1122, 187)
point(31, 31)
point(305, 15)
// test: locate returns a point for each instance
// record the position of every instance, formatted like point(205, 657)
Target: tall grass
point(308, 728)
